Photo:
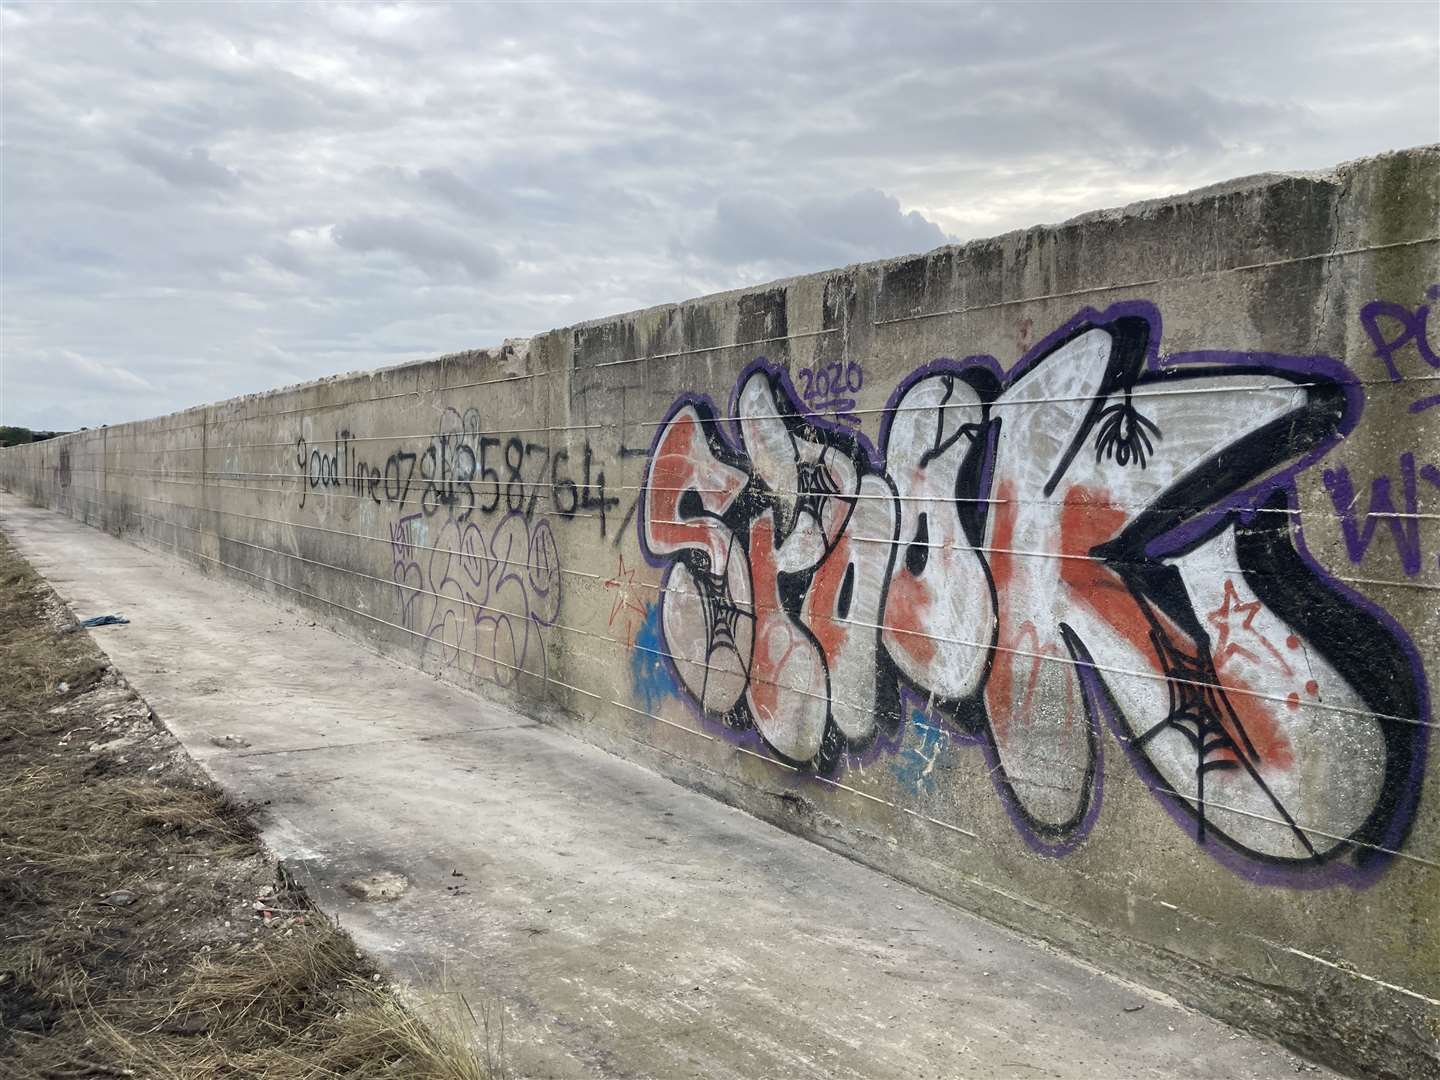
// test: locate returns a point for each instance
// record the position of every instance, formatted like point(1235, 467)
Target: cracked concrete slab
point(628, 927)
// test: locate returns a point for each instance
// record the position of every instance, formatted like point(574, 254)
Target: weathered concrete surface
point(1084, 576)
point(631, 928)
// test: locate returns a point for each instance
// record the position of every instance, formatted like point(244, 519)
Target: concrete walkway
point(628, 926)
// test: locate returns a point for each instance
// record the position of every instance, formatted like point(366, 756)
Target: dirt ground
point(144, 931)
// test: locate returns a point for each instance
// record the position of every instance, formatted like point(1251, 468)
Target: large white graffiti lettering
point(1096, 537)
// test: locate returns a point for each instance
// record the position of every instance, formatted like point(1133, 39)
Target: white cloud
point(106, 376)
point(194, 169)
point(435, 250)
point(215, 199)
point(780, 237)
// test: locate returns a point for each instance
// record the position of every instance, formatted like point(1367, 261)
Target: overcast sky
point(205, 201)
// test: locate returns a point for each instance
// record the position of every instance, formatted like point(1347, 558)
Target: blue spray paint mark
point(917, 766)
point(648, 670)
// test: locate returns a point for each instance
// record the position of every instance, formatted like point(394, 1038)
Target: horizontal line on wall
point(1210, 803)
point(707, 349)
point(1198, 274)
point(323, 491)
point(577, 516)
point(901, 542)
point(1141, 392)
point(977, 882)
point(1133, 673)
point(546, 678)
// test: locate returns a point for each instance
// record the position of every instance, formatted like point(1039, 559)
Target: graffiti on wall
point(831, 388)
point(473, 553)
point(1098, 537)
point(481, 597)
point(1398, 333)
point(463, 472)
point(1400, 336)
point(1359, 524)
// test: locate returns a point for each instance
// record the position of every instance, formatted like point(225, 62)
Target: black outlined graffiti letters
point(1096, 538)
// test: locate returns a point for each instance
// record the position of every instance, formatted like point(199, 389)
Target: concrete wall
point(1086, 576)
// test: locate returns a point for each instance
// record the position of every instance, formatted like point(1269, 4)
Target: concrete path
point(629, 927)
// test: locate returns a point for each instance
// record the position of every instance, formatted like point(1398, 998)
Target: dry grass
point(183, 979)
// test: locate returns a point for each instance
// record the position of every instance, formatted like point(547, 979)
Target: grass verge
point(144, 931)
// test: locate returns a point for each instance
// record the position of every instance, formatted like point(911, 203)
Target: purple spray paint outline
point(747, 737)
point(984, 737)
point(1243, 504)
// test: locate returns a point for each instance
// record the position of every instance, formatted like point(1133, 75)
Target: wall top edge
point(1141, 209)
point(1426, 155)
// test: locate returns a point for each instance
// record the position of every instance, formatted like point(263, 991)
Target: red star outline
point(623, 582)
point(1225, 648)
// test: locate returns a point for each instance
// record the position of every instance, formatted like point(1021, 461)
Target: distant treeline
point(14, 436)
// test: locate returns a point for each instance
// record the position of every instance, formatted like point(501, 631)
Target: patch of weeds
point(132, 944)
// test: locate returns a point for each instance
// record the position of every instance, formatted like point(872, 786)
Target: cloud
point(219, 199)
point(437, 251)
point(192, 170)
point(463, 193)
point(814, 234)
point(1170, 118)
point(97, 375)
